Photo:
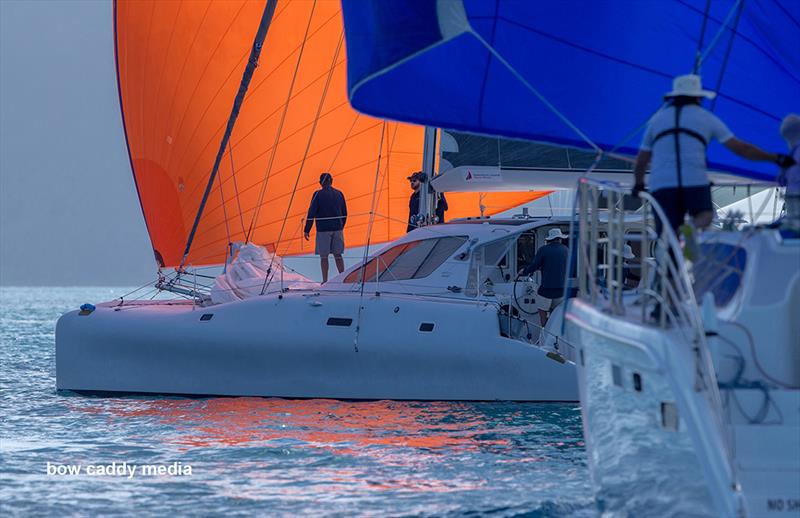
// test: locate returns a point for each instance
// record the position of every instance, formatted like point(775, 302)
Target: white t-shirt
point(663, 169)
point(793, 174)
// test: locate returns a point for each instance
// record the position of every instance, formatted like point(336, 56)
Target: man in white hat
point(675, 141)
point(790, 176)
point(551, 259)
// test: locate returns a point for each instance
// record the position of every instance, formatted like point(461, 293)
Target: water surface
point(263, 455)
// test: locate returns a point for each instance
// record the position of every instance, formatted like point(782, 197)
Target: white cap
point(627, 252)
point(790, 129)
point(689, 85)
point(554, 233)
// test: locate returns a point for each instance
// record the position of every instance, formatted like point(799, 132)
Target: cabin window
point(526, 250)
point(413, 260)
point(490, 262)
point(339, 321)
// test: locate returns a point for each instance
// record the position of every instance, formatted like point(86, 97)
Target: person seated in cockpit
point(551, 259)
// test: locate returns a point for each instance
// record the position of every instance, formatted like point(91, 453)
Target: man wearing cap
point(329, 209)
point(551, 259)
point(675, 141)
point(413, 202)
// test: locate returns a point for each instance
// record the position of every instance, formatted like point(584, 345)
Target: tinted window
point(412, 260)
point(443, 250)
point(377, 265)
point(407, 263)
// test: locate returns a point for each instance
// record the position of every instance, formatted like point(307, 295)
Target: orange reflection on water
point(345, 427)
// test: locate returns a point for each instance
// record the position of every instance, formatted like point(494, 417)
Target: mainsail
point(574, 72)
point(179, 67)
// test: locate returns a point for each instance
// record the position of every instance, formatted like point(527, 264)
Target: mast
point(252, 63)
point(426, 207)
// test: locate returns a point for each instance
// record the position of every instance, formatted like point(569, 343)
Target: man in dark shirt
point(329, 209)
point(551, 259)
point(413, 203)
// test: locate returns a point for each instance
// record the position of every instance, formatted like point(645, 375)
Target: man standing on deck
point(413, 203)
point(676, 139)
point(551, 259)
point(329, 209)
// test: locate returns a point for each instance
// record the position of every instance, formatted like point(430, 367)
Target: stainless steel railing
point(664, 296)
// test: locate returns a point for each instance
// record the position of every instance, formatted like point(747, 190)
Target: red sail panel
point(179, 66)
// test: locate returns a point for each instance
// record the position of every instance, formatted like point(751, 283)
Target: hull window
point(206, 317)
point(669, 416)
point(637, 382)
point(340, 322)
point(616, 374)
point(426, 327)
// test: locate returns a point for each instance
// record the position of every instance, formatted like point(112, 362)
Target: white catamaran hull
point(653, 445)
point(304, 345)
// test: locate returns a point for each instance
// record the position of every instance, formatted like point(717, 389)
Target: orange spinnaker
point(179, 65)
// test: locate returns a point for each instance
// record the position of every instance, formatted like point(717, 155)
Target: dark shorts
point(677, 202)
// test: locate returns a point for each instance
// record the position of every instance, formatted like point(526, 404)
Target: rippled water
point(268, 456)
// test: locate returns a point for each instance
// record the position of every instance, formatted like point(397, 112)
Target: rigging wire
point(534, 91)
point(369, 235)
point(236, 187)
point(224, 209)
point(247, 76)
point(267, 172)
point(698, 60)
point(305, 153)
point(720, 31)
point(727, 53)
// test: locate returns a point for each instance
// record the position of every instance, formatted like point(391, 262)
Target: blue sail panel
point(478, 66)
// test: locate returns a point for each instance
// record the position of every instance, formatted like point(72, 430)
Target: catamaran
point(440, 313)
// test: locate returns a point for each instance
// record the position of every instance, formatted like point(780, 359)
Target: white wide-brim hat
point(690, 85)
point(627, 252)
point(554, 233)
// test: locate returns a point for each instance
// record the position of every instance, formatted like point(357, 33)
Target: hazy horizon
point(69, 213)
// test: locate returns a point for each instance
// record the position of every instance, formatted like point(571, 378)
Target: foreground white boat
point(689, 411)
point(433, 325)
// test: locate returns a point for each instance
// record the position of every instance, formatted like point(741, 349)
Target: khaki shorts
point(330, 243)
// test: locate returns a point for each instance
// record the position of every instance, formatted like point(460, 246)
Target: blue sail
point(573, 72)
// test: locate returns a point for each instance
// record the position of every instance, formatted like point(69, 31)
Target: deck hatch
point(340, 322)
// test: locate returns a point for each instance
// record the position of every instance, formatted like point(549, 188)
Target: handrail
point(669, 294)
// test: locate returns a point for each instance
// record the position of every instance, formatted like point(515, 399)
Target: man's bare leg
point(339, 262)
point(323, 263)
point(543, 317)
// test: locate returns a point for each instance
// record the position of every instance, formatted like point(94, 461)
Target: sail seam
point(269, 10)
point(305, 154)
point(267, 172)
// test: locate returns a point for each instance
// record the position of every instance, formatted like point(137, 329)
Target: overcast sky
point(69, 214)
